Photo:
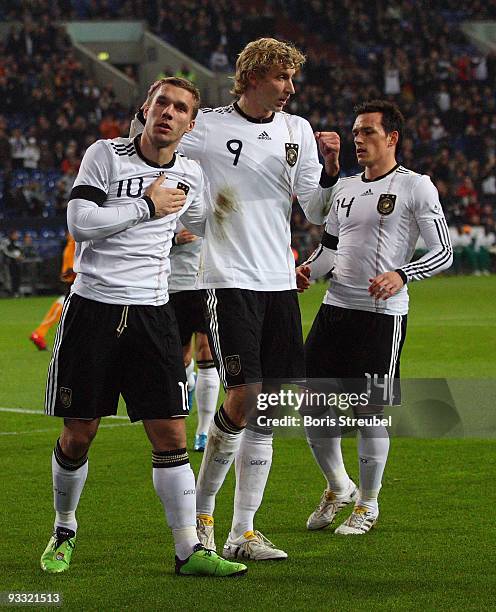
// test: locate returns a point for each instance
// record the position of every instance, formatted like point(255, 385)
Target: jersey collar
point(253, 119)
point(366, 180)
point(149, 161)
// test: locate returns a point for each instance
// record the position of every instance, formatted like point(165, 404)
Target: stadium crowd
point(356, 50)
point(40, 150)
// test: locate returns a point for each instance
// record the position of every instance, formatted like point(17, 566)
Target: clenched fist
point(329, 146)
point(303, 278)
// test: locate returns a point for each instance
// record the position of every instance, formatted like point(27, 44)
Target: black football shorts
point(254, 335)
point(104, 350)
point(190, 316)
point(360, 349)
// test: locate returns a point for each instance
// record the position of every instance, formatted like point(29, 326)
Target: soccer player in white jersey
point(117, 333)
point(374, 222)
point(188, 308)
point(256, 158)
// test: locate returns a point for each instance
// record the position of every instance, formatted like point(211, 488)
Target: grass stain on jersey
point(225, 204)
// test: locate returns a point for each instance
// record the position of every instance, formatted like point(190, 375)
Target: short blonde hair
point(259, 56)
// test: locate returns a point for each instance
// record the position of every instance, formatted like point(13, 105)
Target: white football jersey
point(375, 225)
point(184, 261)
point(122, 254)
point(254, 168)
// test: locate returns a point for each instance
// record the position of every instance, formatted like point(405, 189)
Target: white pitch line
point(39, 412)
point(27, 411)
point(19, 433)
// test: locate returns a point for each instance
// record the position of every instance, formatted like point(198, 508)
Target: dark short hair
point(392, 118)
point(176, 82)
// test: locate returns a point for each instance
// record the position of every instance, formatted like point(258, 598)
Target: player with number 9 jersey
point(257, 158)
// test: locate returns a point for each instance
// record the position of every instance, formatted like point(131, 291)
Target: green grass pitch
point(430, 551)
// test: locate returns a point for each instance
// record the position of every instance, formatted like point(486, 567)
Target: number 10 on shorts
point(184, 395)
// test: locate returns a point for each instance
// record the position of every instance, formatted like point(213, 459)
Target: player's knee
point(241, 402)
point(166, 434)
point(202, 348)
point(370, 424)
point(368, 410)
point(237, 413)
point(171, 440)
point(77, 437)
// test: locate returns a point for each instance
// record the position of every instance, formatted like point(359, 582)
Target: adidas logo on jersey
point(264, 136)
point(368, 192)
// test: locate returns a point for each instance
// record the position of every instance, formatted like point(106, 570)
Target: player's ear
point(253, 78)
point(393, 138)
point(145, 110)
point(190, 126)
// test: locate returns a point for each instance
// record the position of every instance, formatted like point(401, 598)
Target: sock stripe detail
point(258, 429)
point(225, 424)
point(168, 459)
point(66, 462)
point(205, 364)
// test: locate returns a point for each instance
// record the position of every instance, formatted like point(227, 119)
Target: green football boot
point(205, 562)
point(58, 553)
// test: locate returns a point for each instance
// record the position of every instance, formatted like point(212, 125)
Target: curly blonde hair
point(259, 56)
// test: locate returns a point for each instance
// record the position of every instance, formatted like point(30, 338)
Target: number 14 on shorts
point(379, 382)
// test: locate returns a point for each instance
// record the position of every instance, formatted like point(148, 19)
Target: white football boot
point(205, 531)
point(252, 545)
point(329, 506)
point(360, 521)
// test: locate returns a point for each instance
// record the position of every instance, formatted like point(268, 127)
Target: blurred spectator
point(18, 144)
point(218, 60)
point(34, 199)
point(185, 72)
point(437, 129)
point(29, 251)
point(485, 248)
point(109, 126)
point(11, 249)
point(463, 250)
point(166, 72)
point(5, 150)
point(63, 191)
point(31, 154)
point(70, 163)
point(130, 71)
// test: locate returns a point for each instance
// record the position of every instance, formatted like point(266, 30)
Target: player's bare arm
point(329, 147)
point(166, 200)
point(385, 285)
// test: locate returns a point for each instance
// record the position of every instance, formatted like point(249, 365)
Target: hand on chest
point(135, 184)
